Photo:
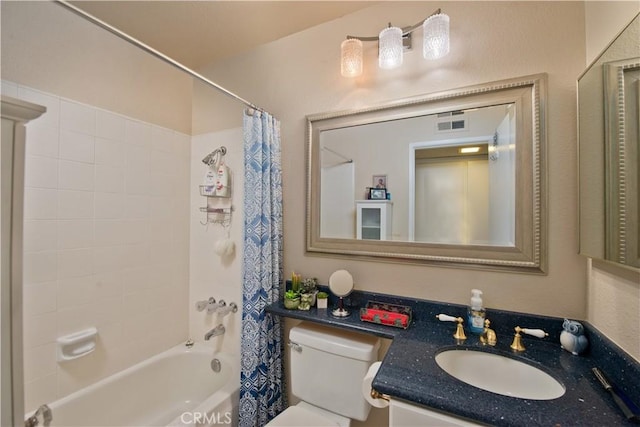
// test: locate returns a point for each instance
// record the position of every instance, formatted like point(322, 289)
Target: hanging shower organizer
point(217, 189)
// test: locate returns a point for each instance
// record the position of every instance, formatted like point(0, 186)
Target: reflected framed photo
point(377, 194)
point(379, 181)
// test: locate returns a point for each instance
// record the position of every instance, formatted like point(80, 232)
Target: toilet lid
point(295, 416)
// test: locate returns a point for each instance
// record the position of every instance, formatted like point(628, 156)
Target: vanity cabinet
point(404, 415)
point(373, 219)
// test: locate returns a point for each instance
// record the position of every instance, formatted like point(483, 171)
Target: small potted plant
point(291, 299)
point(323, 299)
point(305, 301)
point(309, 287)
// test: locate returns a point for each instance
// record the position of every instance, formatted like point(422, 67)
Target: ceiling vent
point(451, 121)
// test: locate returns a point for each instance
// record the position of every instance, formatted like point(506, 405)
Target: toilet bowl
point(328, 366)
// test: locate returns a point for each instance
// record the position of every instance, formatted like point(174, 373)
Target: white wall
point(212, 275)
point(613, 292)
point(106, 241)
point(106, 231)
point(300, 75)
point(49, 48)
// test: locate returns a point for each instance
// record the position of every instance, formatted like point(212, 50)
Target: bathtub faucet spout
point(218, 330)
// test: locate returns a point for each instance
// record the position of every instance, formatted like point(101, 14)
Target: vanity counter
point(409, 371)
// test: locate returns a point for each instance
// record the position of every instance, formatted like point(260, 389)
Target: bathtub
point(175, 388)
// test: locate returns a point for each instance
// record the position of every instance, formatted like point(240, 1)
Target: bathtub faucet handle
point(212, 306)
point(226, 309)
point(201, 305)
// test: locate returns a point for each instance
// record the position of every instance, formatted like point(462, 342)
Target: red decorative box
point(398, 316)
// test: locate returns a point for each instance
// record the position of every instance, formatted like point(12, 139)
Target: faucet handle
point(459, 334)
point(226, 309)
point(445, 318)
point(517, 338)
point(539, 333)
point(212, 306)
point(201, 305)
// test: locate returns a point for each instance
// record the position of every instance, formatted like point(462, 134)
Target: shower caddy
point(219, 208)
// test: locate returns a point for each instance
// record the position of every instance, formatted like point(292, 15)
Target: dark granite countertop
point(409, 371)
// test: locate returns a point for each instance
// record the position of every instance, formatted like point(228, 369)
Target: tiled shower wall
point(211, 275)
point(106, 241)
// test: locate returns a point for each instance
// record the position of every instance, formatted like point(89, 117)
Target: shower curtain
point(262, 389)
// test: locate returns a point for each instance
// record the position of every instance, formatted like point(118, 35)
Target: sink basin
point(499, 374)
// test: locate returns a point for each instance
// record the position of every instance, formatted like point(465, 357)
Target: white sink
point(500, 374)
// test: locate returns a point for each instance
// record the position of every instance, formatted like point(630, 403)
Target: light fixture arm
point(405, 30)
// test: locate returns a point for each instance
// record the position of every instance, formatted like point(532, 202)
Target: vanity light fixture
point(351, 64)
point(390, 48)
point(392, 41)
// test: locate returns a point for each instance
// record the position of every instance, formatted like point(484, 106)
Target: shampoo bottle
point(209, 183)
point(476, 312)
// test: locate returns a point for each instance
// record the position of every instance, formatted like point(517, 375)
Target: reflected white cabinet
point(373, 219)
point(404, 415)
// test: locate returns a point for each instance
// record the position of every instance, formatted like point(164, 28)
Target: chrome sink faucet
point(218, 330)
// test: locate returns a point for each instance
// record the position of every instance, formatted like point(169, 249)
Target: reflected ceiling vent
point(451, 121)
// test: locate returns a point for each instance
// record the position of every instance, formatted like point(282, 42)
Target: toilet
point(327, 369)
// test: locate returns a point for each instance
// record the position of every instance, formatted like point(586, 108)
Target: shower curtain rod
point(348, 160)
point(155, 53)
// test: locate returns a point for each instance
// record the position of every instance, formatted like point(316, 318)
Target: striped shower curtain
point(262, 390)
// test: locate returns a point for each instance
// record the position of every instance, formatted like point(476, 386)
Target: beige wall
point(300, 75)
point(46, 47)
point(613, 292)
point(604, 20)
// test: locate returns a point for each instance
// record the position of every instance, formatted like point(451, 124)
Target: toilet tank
point(328, 366)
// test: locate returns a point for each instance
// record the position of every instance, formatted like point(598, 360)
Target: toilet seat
point(304, 414)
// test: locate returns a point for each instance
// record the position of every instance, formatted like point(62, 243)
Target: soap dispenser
point(476, 312)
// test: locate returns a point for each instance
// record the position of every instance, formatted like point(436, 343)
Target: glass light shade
point(390, 48)
point(436, 36)
point(351, 58)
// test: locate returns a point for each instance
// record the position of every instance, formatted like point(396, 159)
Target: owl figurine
point(572, 337)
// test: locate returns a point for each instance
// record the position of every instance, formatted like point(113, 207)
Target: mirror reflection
point(449, 178)
point(454, 177)
point(609, 123)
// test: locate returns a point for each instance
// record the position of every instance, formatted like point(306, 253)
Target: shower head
point(214, 156)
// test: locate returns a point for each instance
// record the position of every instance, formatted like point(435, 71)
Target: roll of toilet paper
point(366, 387)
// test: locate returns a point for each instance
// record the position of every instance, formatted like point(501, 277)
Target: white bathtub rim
point(199, 347)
